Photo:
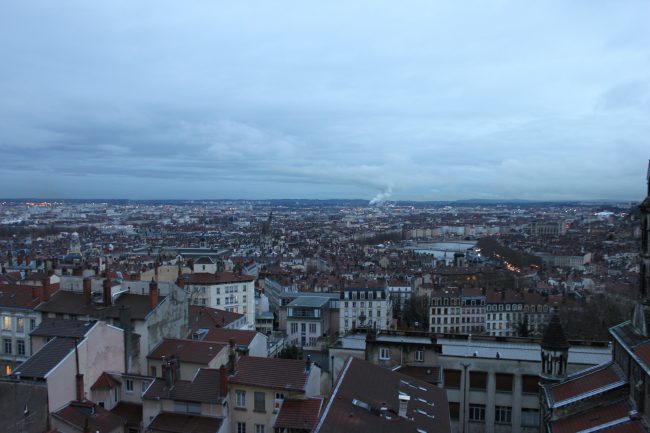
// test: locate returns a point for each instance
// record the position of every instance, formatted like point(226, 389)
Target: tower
point(641, 315)
point(555, 351)
point(75, 244)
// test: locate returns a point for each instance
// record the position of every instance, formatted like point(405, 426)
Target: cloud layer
point(283, 99)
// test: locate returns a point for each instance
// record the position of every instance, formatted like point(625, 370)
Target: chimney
point(45, 291)
point(153, 294)
point(87, 291)
point(308, 363)
point(125, 324)
point(232, 357)
point(79, 381)
point(106, 292)
point(403, 405)
point(86, 426)
point(223, 381)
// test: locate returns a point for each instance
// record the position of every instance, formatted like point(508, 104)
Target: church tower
point(555, 352)
point(641, 317)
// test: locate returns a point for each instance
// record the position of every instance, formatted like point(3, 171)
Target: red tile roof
point(593, 380)
point(99, 419)
point(275, 373)
point(181, 423)
point(17, 296)
point(643, 352)
point(206, 317)
point(299, 414)
point(241, 337)
point(592, 418)
point(105, 381)
point(192, 351)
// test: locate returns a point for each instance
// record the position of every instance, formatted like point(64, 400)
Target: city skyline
point(368, 101)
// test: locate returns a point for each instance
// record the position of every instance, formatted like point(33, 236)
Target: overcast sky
point(325, 99)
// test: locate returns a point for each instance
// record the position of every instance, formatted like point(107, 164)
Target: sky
point(378, 100)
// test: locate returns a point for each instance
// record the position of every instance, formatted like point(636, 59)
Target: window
point(452, 378)
point(384, 353)
point(21, 347)
point(32, 324)
point(530, 384)
point(529, 417)
point(259, 402)
point(279, 396)
point(7, 345)
point(241, 427)
point(503, 414)
point(129, 385)
point(477, 380)
point(454, 410)
point(143, 386)
point(419, 355)
point(504, 382)
point(259, 428)
point(240, 400)
point(477, 412)
point(312, 328)
point(294, 328)
point(6, 323)
point(20, 324)
point(116, 394)
point(153, 370)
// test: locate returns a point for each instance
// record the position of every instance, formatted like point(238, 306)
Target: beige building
point(259, 386)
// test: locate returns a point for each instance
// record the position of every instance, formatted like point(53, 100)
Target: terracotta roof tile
point(105, 381)
point(192, 351)
point(99, 419)
point(591, 418)
point(591, 381)
point(275, 373)
point(181, 423)
point(203, 388)
point(299, 414)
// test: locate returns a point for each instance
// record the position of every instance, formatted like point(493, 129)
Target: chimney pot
point(403, 405)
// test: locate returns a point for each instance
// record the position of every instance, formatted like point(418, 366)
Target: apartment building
point(308, 321)
point(455, 310)
point(365, 307)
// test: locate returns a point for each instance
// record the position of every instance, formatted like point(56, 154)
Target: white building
point(224, 290)
point(365, 307)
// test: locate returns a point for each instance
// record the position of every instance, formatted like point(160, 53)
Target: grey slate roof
point(62, 328)
point(43, 361)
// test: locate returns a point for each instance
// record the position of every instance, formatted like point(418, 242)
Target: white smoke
point(382, 196)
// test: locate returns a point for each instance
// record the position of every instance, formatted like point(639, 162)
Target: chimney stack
point(87, 291)
point(153, 294)
point(403, 405)
point(223, 381)
point(125, 324)
point(79, 381)
point(232, 356)
point(106, 292)
point(45, 291)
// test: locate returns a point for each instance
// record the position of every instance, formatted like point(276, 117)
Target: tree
point(522, 328)
point(289, 352)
